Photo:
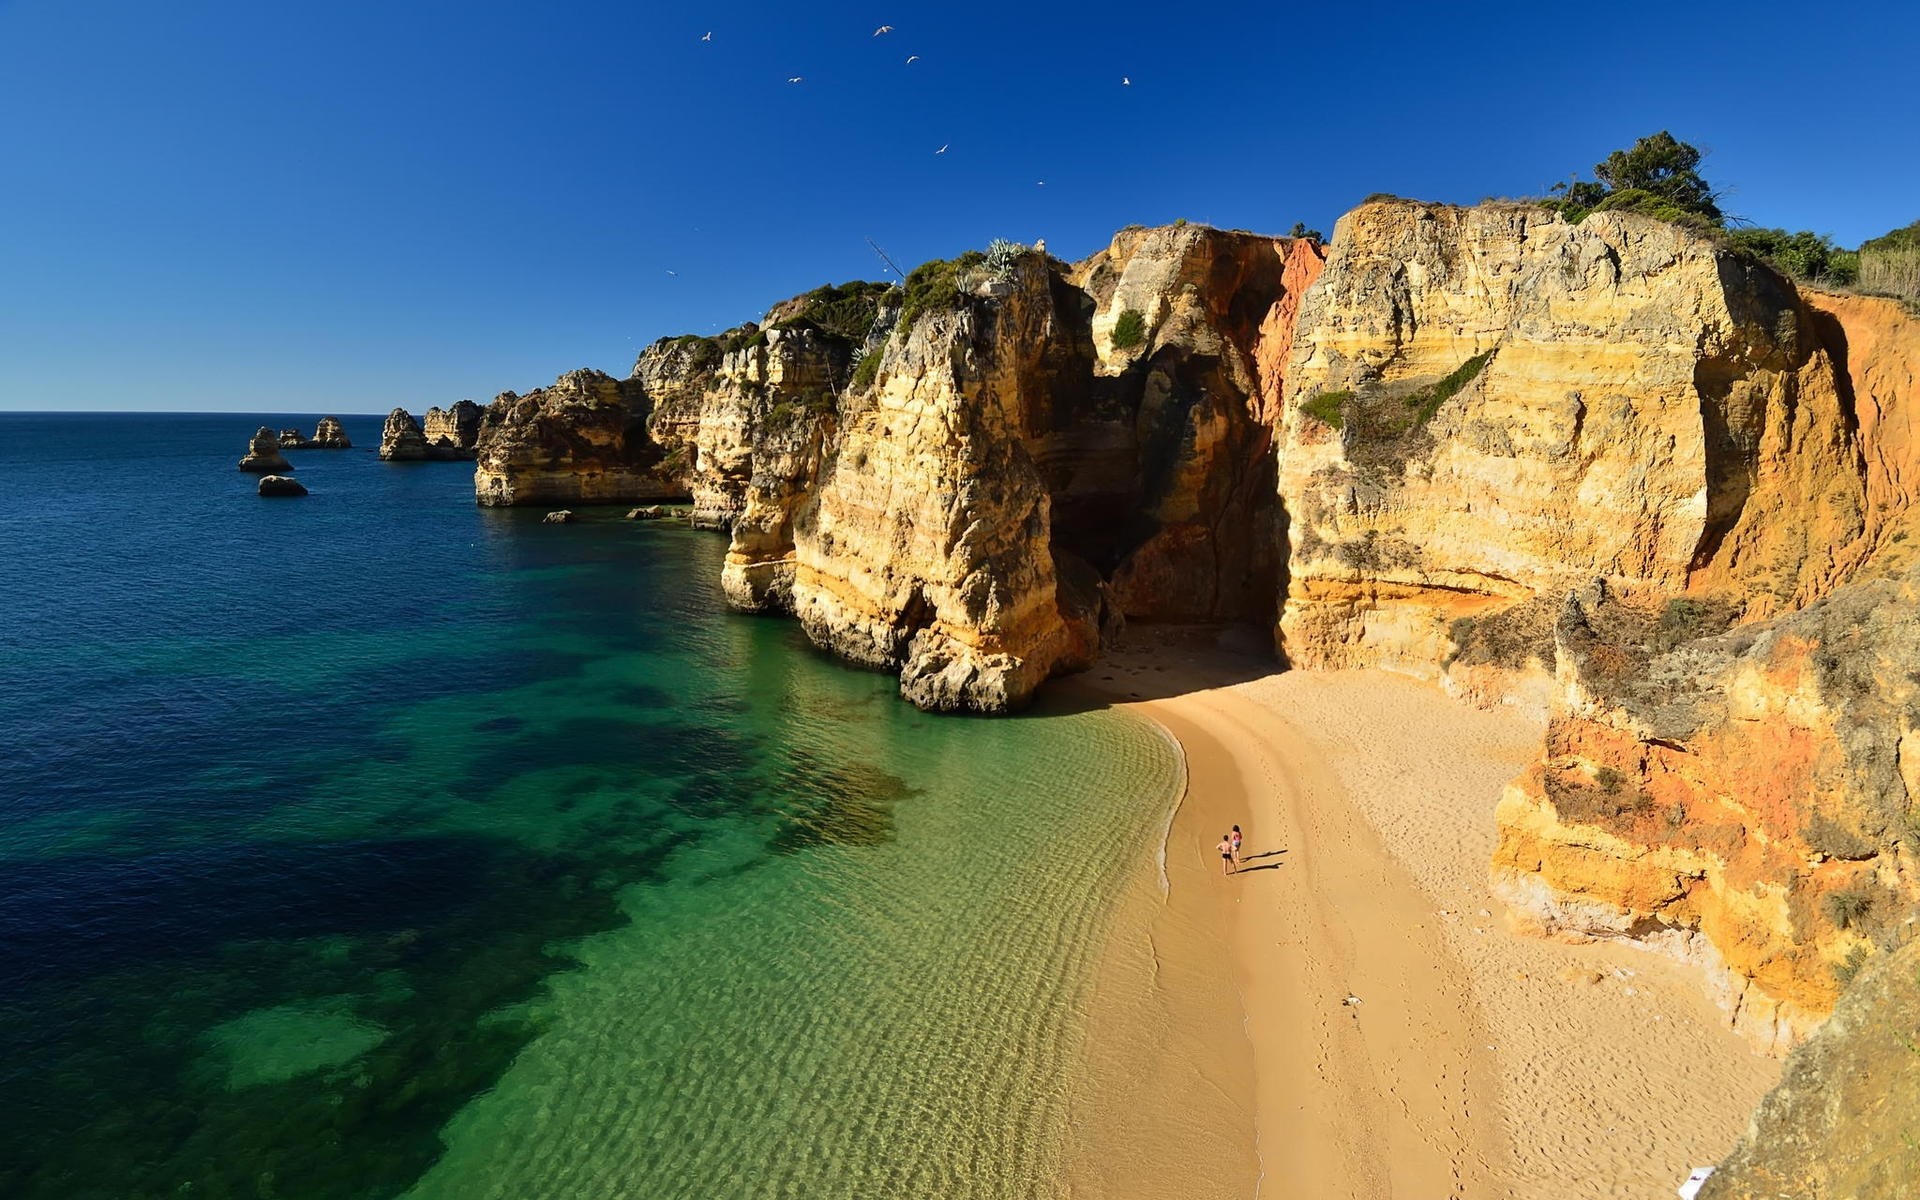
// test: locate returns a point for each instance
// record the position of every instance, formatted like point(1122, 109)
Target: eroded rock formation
point(401, 439)
point(1554, 464)
point(263, 455)
point(451, 432)
point(1612, 471)
point(281, 485)
point(329, 435)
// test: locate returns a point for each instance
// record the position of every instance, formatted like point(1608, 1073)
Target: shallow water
point(372, 843)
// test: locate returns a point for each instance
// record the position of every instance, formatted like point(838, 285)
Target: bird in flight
point(709, 36)
point(1125, 82)
point(942, 150)
point(795, 78)
point(675, 274)
point(912, 59)
point(883, 29)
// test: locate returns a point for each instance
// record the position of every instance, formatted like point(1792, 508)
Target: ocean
point(374, 844)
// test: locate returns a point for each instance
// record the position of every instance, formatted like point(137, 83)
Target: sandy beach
point(1349, 1016)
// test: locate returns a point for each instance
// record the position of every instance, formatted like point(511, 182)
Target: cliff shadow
point(1156, 661)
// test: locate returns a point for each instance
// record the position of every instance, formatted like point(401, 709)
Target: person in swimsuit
point(1234, 837)
point(1226, 854)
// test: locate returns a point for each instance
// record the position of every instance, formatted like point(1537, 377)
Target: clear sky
point(344, 206)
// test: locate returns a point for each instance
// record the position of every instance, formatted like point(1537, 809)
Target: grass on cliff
point(844, 311)
point(1129, 330)
point(867, 370)
point(935, 286)
point(1427, 401)
point(1328, 408)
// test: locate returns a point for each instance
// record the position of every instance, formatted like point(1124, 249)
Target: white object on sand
point(1691, 1187)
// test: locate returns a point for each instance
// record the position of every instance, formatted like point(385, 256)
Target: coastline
point(1476, 1062)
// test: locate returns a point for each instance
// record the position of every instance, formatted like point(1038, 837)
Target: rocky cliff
point(1636, 481)
point(330, 435)
point(581, 441)
point(452, 432)
point(1844, 1123)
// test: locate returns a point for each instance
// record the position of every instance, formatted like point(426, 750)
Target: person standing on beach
point(1234, 837)
point(1227, 865)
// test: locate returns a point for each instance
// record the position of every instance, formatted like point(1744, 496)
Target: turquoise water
point(375, 844)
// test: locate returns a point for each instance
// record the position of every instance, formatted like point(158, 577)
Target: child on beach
point(1234, 837)
point(1227, 865)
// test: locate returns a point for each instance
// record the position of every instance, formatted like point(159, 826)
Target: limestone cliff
point(1844, 1123)
point(1749, 800)
point(1551, 463)
point(452, 432)
point(1488, 405)
point(1165, 479)
point(925, 547)
point(581, 441)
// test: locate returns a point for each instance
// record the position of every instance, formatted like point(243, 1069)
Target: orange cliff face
point(1552, 465)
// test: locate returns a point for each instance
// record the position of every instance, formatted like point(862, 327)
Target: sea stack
point(452, 432)
point(401, 439)
point(329, 435)
point(281, 485)
point(263, 457)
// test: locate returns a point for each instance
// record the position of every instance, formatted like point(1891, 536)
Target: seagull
point(795, 78)
point(1125, 82)
point(912, 59)
point(709, 36)
point(883, 29)
point(674, 273)
point(942, 150)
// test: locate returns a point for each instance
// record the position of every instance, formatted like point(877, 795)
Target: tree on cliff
point(1659, 176)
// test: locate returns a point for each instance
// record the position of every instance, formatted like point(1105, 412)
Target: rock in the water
point(559, 516)
point(401, 439)
point(281, 485)
point(290, 439)
point(452, 432)
point(651, 512)
point(263, 456)
point(329, 435)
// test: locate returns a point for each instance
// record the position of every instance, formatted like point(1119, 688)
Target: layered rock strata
point(581, 441)
point(329, 434)
point(401, 439)
point(1165, 480)
point(263, 455)
point(1550, 464)
point(925, 547)
point(451, 433)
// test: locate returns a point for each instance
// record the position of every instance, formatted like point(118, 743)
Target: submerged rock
point(651, 512)
point(281, 485)
point(263, 455)
point(561, 516)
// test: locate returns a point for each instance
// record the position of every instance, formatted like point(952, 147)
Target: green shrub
point(1608, 780)
point(1129, 330)
point(1427, 400)
point(1328, 408)
point(1803, 255)
point(1179, 222)
point(1300, 230)
point(866, 371)
point(935, 286)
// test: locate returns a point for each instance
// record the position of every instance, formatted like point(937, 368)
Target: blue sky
point(348, 206)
